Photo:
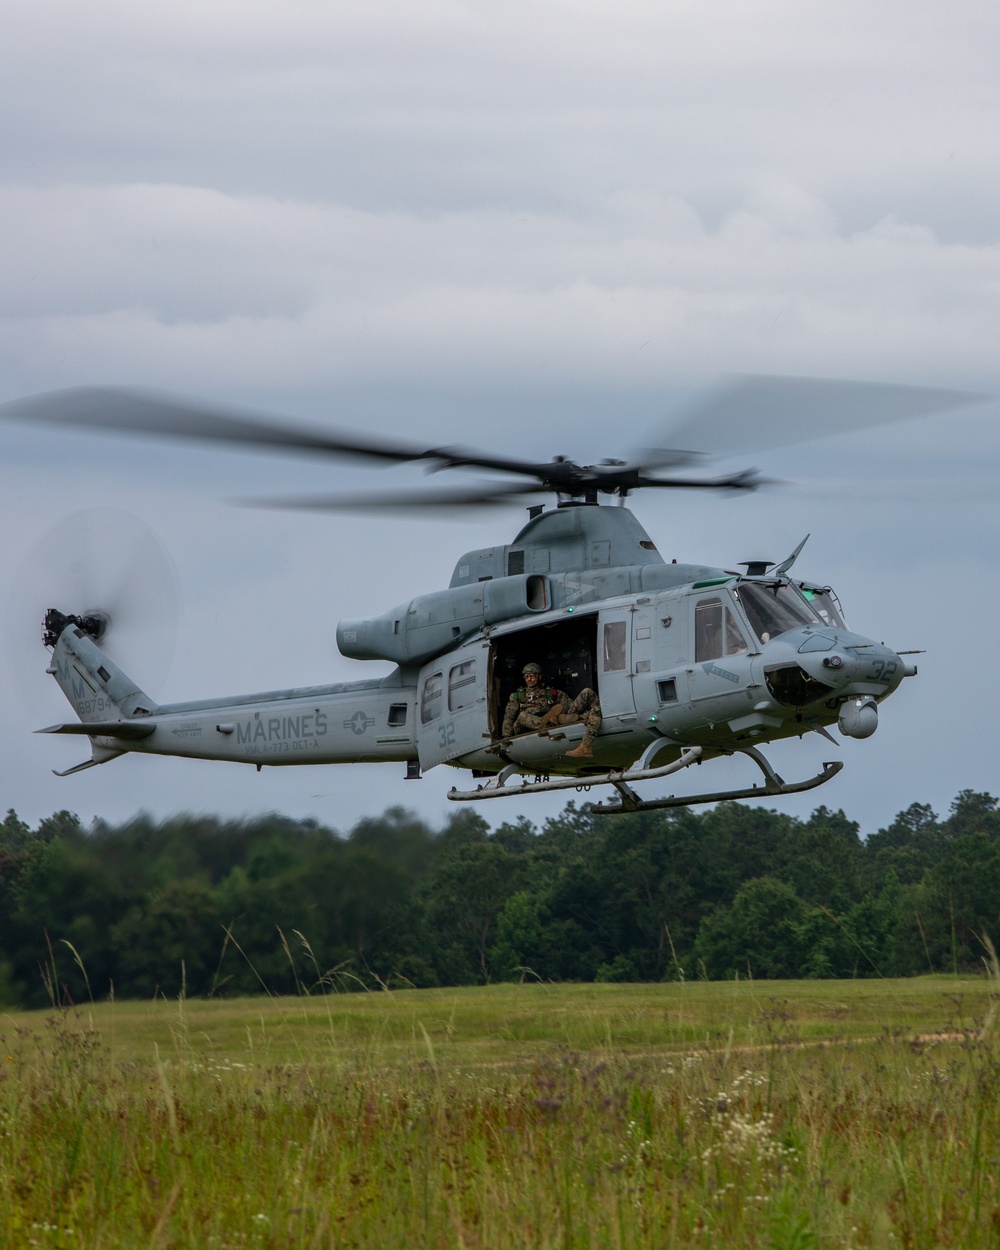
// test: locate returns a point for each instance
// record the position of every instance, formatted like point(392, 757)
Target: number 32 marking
point(883, 670)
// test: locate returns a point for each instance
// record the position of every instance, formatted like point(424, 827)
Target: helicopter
point(688, 662)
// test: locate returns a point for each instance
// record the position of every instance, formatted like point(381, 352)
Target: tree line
point(205, 906)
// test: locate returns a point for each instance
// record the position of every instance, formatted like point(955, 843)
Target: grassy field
point(782, 1114)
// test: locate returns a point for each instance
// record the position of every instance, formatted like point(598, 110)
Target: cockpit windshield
point(774, 608)
point(826, 604)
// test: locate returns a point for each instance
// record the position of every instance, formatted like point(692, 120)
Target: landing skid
point(773, 786)
point(629, 801)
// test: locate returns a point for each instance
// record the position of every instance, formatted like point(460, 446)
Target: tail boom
point(354, 722)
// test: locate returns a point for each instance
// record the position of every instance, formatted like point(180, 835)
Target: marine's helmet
point(532, 668)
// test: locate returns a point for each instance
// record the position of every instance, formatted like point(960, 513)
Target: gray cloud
point(283, 292)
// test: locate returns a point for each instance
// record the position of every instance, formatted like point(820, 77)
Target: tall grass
point(782, 1115)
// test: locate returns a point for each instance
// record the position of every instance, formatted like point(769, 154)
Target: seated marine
point(537, 707)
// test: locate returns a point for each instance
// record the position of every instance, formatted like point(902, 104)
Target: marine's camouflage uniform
point(526, 710)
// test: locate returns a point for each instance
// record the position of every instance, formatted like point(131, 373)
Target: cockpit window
point(826, 604)
point(715, 631)
point(773, 609)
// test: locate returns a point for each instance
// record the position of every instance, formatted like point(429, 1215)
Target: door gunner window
point(430, 702)
point(614, 646)
point(462, 685)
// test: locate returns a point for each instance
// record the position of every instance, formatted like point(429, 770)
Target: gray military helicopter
point(690, 662)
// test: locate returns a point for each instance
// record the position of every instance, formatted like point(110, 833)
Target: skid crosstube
point(497, 788)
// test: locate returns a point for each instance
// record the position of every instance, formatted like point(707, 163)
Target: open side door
point(564, 648)
point(452, 705)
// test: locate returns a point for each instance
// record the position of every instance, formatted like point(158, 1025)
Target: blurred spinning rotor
point(744, 414)
point(105, 563)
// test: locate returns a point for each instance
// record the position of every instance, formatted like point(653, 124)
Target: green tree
point(66, 896)
point(172, 943)
point(960, 901)
point(517, 949)
point(470, 884)
point(906, 849)
point(761, 934)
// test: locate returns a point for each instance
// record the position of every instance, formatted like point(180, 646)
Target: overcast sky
point(535, 227)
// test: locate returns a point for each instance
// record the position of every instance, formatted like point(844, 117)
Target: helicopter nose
point(835, 669)
point(858, 665)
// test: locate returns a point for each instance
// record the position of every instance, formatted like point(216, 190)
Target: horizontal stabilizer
point(104, 728)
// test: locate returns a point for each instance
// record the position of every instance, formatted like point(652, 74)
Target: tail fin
point(95, 686)
point(107, 701)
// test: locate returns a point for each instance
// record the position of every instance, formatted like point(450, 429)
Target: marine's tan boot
point(551, 717)
point(582, 752)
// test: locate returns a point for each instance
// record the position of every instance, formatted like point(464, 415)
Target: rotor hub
point(93, 623)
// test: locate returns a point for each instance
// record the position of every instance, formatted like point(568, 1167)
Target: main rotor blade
point(745, 480)
point(745, 413)
point(661, 458)
point(750, 412)
point(403, 501)
point(143, 412)
point(487, 495)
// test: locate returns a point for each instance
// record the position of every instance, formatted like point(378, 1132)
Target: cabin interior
point(565, 649)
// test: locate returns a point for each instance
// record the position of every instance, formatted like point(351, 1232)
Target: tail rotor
point(105, 570)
